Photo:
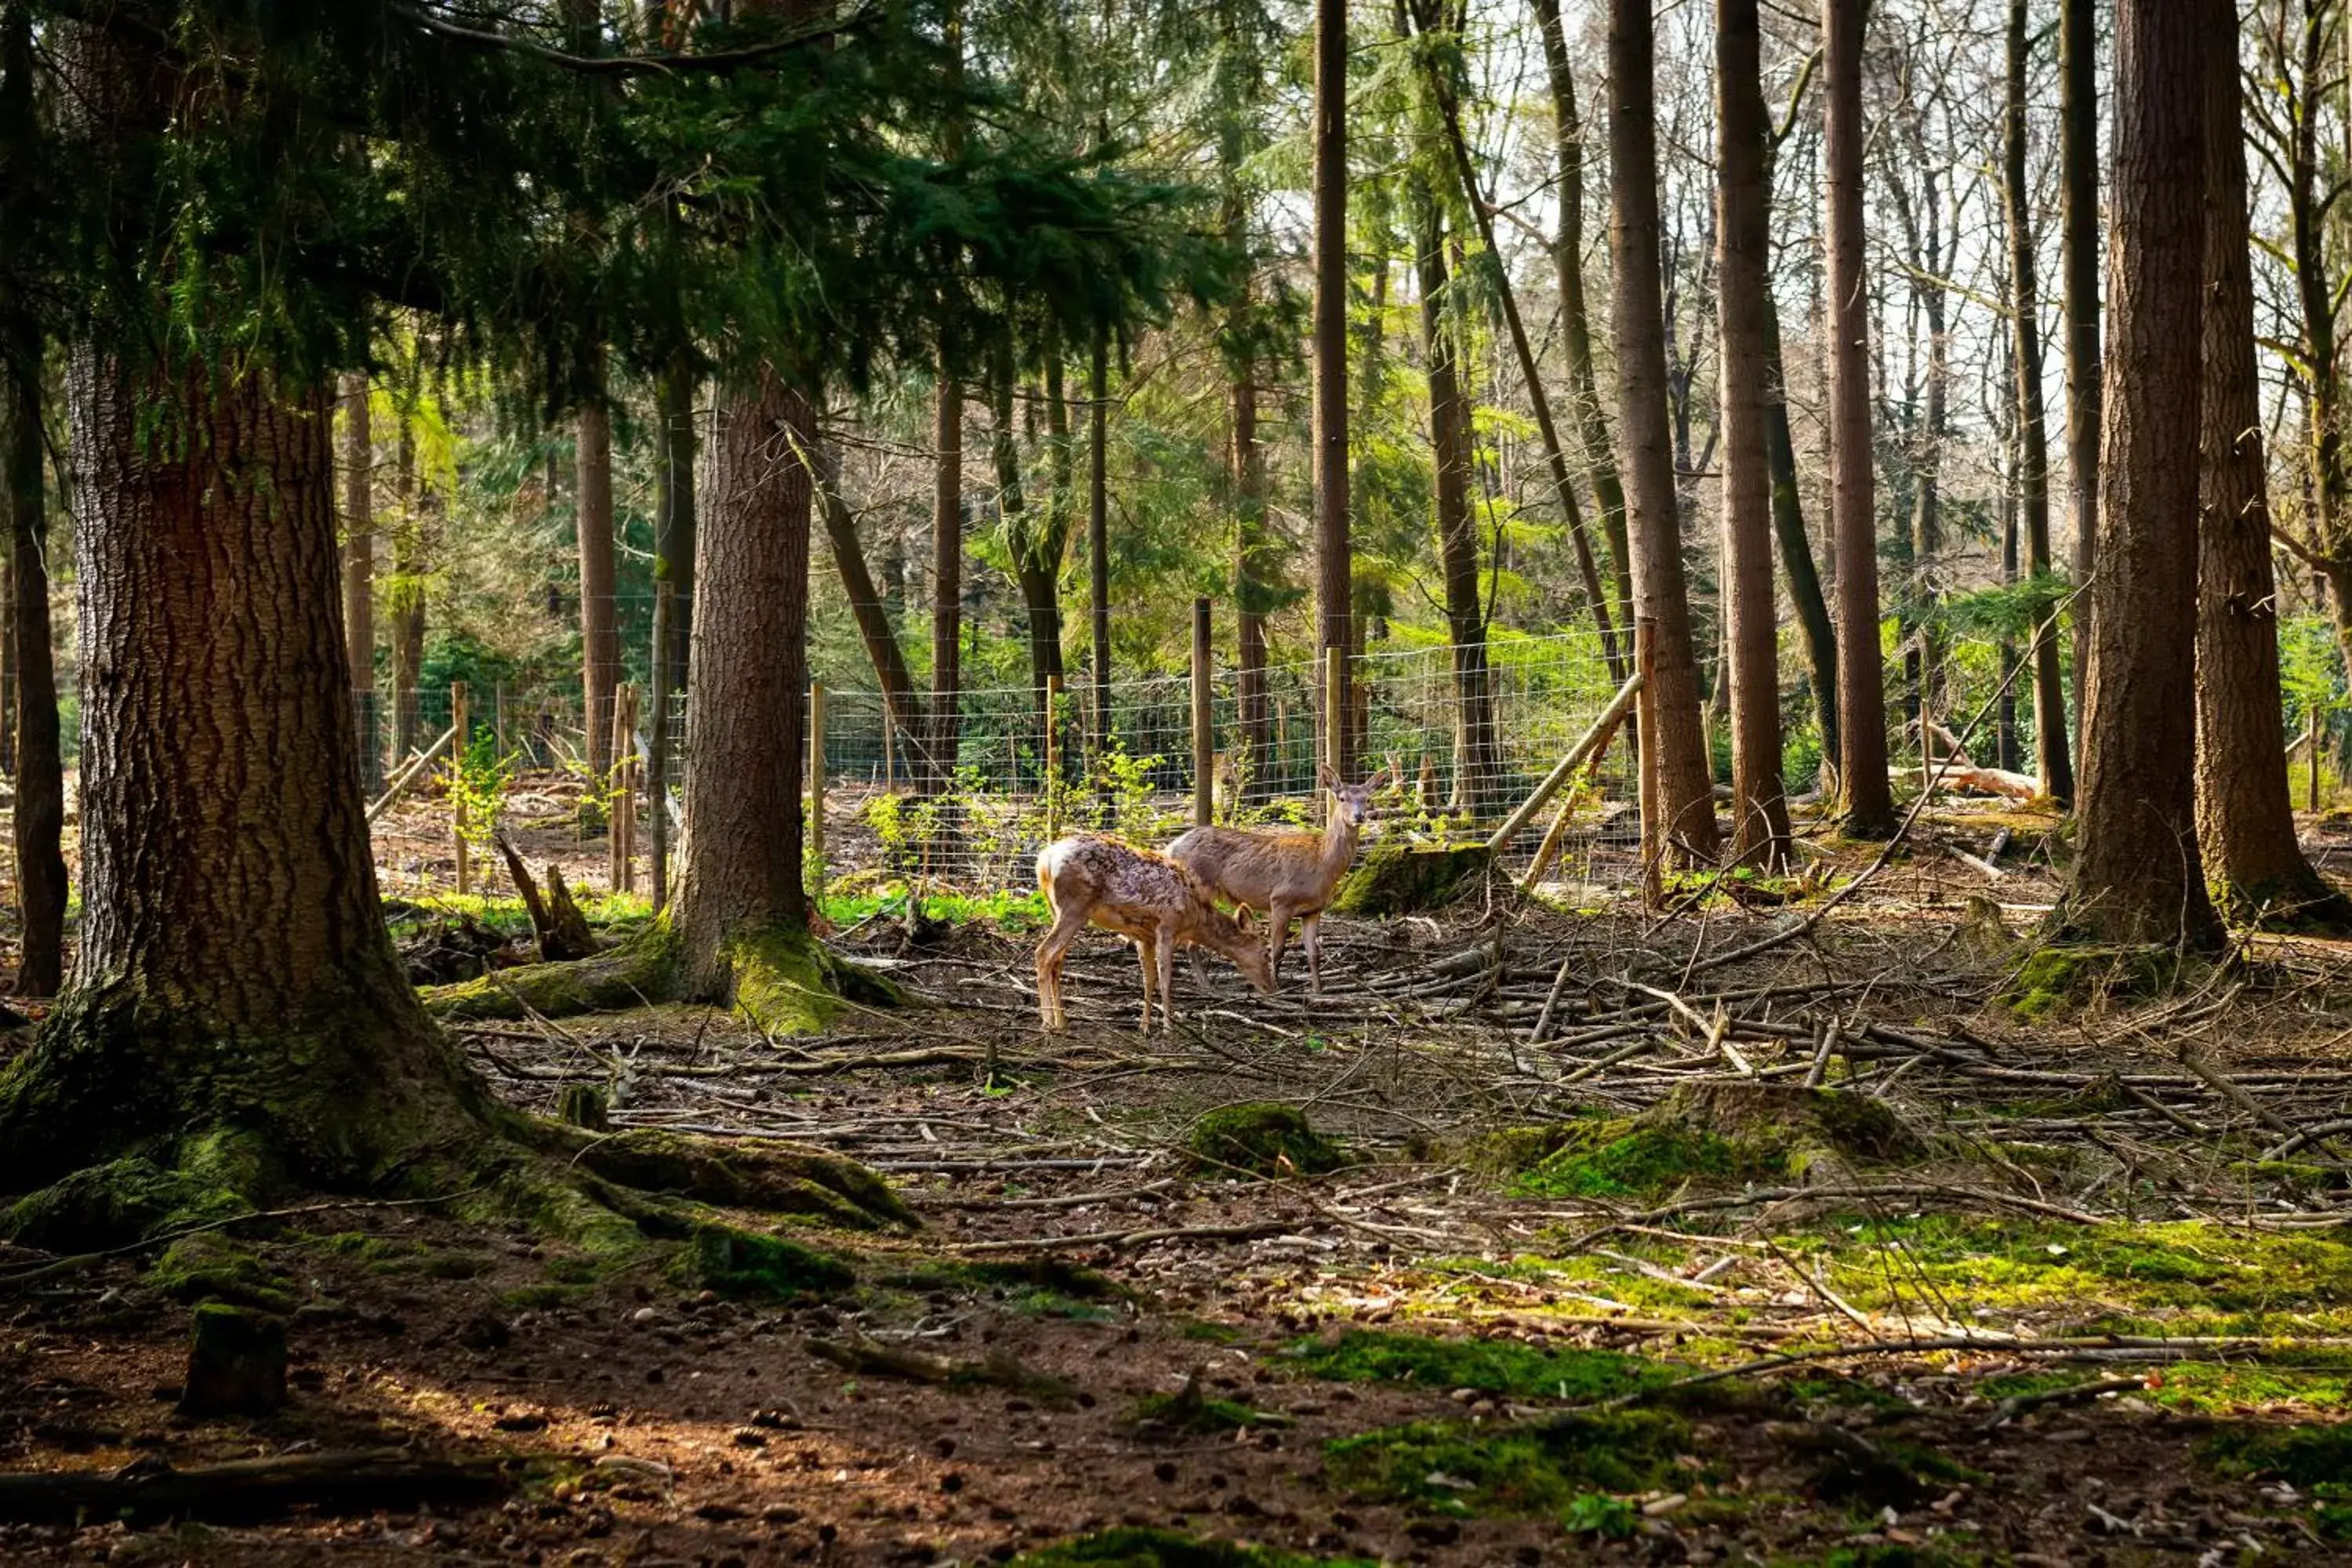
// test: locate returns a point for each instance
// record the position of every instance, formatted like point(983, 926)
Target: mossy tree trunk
point(2138, 877)
point(2245, 819)
point(741, 882)
point(600, 637)
point(234, 970)
point(359, 573)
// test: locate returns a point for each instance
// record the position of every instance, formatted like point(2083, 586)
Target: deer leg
point(1144, 946)
point(1310, 937)
point(1167, 955)
point(1277, 937)
point(1050, 953)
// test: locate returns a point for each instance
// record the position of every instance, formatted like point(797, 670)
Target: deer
point(1286, 875)
point(1090, 878)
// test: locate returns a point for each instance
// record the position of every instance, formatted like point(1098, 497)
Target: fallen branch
point(869, 1358)
point(370, 1481)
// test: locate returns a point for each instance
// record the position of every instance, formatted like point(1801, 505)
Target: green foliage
point(1261, 1140)
point(1504, 1367)
point(1597, 1513)
point(1446, 1467)
point(480, 778)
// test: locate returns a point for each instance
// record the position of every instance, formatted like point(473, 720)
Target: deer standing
point(1286, 875)
point(1142, 894)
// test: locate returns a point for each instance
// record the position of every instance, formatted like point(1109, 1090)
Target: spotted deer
point(1285, 876)
point(1091, 879)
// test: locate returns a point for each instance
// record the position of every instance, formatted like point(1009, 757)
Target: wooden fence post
point(457, 721)
point(621, 828)
point(1204, 736)
point(2311, 727)
point(1053, 782)
point(816, 788)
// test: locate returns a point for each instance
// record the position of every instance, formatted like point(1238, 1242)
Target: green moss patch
point(1502, 1367)
point(1261, 1140)
point(1169, 1548)
point(1398, 878)
point(116, 1203)
point(642, 970)
point(2064, 977)
point(208, 1267)
point(1449, 1467)
point(1722, 1133)
point(2301, 1455)
point(748, 1175)
point(740, 1263)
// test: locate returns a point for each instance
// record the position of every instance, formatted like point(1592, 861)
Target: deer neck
point(1338, 845)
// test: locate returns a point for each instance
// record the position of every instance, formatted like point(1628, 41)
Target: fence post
point(1334, 717)
point(1053, 756)
point(889, 746)
point(1204, 738)
point(816, 788)
point(620, 825)
point(2310, 725)
point(457, 721)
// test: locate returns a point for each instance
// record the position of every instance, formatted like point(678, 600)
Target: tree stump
point(237, 1362)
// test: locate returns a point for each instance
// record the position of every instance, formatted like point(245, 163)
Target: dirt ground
point(2076, 1288)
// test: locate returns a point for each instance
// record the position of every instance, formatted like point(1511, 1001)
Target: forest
point(631, 629)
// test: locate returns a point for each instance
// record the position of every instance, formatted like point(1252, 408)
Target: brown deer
point(1088, 879)
point(1286, 875)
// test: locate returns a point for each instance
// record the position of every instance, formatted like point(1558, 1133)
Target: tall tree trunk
point(741, 905)
point(2137, 875)
point(1752, 632)
point(1457, 527)
point(1253, 587)
point(359, 574)
point(1861, 678)
point(1098, 526)
point(405, 599)
point(2078, 155)
point(2245, 818)
point(673, 620)
point(901, 708)
point(1038, 536)
point(39, 818)
point(946, 587)
point(234, 969)
point(2052, 763)
point(1686, 781)
point(600, 637)
point(1334, 568)
point(1796, 544)
point(2005, 747)
point(1586, 414)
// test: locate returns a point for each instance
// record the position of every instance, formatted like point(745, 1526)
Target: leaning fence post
point(1052, 784)
point(816, 788)
point(622, 816)
point(456, 781)
point(1204, 746)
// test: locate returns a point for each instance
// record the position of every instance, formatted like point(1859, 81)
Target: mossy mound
point(1491, 1366)
point(1261, 1140)
point(639, 971)
point(742, 1263)
point(1449, 1467)
point(788, 982)
point(2301, 1455)
point(1725, 1133)
point(1396, 877)
point(821, 1187)
point(122, 1201)
point(2064, 977)
point(1169, 1548)
point(208, 1267)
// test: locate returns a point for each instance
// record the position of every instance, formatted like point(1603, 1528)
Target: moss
point(1624, 1159)
point(743, 1263)
point(642, 970)
point(741, 1175)
point(1053, 1276)
point(1449, 1468)
point(1491, 1366)
point(1510, 1151)
point(1722, 1132)
point(540, 1297)
point(1398, 878)
point(2066, 976)
point(1261, 1140)
point(785, 982)
point(116, 1203)
point(1169, 1548)
point(2301, 1455)
point(1179, 1413)
point(209, 1267)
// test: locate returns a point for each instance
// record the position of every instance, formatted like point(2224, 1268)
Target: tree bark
point(947, 588)
point(1752, 632)
point(2136, 875)
point(1686, 788)
point(40, 817)
point(1458, 529)
point(1861, 679)
point(1098, 527)
point(1334, 567)
point(672, 618)
point(739, 885)
point(1586, 414)
point(1037, 536)
point(2052, 766)
point(404, 598)
point(600, 639)
point(359, 574)
point(2245, 818)
point(2078, 155)
point(1796, 544)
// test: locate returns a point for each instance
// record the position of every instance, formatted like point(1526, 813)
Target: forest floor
point(1886, 1243)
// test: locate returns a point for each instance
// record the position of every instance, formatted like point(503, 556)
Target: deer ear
point(1325, 777)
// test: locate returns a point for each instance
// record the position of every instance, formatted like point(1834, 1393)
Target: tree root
point(748, 1176)
point(638, 972)
point(148, 1489)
